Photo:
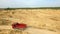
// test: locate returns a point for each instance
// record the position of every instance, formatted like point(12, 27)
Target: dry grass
point(40, 18)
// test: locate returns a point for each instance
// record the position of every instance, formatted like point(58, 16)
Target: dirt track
point(30, 30)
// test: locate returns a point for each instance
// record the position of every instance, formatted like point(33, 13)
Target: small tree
point(10, 8)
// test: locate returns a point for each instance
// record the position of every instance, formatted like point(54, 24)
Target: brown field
point(48, 19)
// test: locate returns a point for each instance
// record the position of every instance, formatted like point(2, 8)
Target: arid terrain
point(47, 19)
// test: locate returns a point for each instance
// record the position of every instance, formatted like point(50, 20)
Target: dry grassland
point(39, 18)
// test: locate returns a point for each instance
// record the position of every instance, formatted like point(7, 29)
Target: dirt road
point(31, 30)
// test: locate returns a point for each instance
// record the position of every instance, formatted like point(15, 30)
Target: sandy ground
point(46, 19)
point(30, 30)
